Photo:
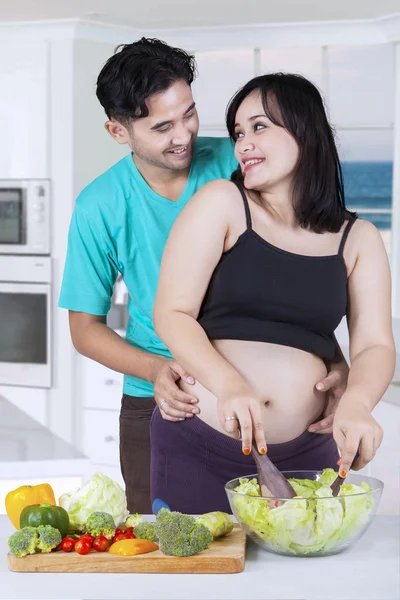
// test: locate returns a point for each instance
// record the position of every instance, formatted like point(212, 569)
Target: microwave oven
point(25, 216)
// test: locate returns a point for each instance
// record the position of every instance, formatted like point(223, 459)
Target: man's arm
point(91, 269)
point(93, 338)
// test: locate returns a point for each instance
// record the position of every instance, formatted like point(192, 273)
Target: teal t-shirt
point(120, 225)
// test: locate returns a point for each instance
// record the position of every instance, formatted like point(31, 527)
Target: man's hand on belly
point(334, 384)
point(174, 404)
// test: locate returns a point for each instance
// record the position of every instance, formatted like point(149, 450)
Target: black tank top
point(262, 293)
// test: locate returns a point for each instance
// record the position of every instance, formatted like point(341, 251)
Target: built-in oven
point(25, 321)
point(24, 216)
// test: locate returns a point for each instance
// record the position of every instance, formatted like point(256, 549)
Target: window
point(303, 61)
point(367, 163)
point(361, 107)
point(221, 74)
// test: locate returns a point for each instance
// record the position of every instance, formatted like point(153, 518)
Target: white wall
point(94, 149)
point(24, 105)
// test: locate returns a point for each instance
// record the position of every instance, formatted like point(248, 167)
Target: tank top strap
point(246, 204)
point(346, 232)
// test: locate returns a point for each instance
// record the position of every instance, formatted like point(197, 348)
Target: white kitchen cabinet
point(101, 387)
point(101, 390)
point(24, 110)
point(100, 440)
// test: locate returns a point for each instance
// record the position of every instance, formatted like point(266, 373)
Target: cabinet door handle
point(110, 438)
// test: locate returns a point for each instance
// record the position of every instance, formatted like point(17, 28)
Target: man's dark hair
point(137, 71)
point(293, 102)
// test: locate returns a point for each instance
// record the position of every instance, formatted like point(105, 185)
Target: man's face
point(166, 137)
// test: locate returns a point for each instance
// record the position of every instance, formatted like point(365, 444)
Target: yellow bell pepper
point(132, 547)
point(26, 495)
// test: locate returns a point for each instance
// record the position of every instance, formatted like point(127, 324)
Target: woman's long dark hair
point(293, 102)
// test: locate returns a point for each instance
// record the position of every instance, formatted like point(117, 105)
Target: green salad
point(311, 521)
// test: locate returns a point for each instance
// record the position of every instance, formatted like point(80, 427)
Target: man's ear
point(117, 131)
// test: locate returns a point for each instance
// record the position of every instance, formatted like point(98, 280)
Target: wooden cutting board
point(226, 555)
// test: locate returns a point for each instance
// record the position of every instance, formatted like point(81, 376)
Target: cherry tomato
point(101, 543)
point(129, 536)
point(82, 546)
point(88, 537)
point(119, 536)
point(118, 530)
point(67, 544)
point(128, 530)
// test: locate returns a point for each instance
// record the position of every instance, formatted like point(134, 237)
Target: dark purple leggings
point(191, 462)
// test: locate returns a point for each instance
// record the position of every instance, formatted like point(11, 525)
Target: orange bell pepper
point(132, 547)
point(26, 495)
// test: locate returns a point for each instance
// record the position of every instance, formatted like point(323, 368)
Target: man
point(120, 224)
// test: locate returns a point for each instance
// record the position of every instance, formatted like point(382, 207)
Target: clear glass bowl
point(308, 526)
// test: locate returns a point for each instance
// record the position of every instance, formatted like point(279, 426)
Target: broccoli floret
point(133, 520)
point(180, 534)
point(146, 531)
point(49, 538)
point(100, 523)
point(23, 542)
point(30, 540)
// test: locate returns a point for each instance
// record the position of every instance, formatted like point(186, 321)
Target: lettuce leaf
point(100, 493)
point(310, 522)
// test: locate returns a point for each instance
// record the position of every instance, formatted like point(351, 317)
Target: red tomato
point(82, 546)
point(101, 543)
point(67, 544)
point(118, 530)
point(119, 536)
point(88, 537)
point(129, 536)
point(128, 530)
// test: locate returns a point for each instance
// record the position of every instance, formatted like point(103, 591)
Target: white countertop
point(369, 570)
point(29, 448)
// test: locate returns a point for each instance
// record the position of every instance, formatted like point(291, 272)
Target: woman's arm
point(193, 249)
point(372, 350)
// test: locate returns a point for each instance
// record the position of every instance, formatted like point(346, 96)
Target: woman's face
point(267, 154)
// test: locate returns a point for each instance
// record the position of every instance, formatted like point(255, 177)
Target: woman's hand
point(354, 428)
point(240, 415)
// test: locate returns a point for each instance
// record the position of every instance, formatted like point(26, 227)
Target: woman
point(256, 276)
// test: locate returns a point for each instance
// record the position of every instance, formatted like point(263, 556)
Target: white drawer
point(100, 436)
point(101, 387)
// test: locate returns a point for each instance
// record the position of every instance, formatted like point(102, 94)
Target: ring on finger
point(162, 404)
point(231, 419)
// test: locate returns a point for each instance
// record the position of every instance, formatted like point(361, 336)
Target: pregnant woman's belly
point(284, 380)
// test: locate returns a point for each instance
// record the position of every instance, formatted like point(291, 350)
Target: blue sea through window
point(368, 191)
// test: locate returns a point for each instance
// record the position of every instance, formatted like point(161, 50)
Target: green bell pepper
point(45, 514)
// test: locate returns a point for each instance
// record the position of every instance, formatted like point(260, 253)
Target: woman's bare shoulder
point(215, 195)
point(364, 233)
point(220, 186)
